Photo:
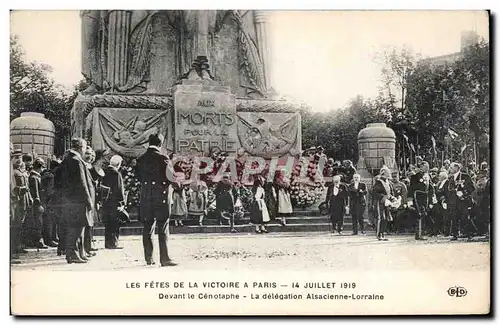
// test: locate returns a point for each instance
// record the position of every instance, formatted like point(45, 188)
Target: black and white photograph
point(250, 162)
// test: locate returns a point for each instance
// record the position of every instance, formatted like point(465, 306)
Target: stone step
point(241, 228)
point(296, 213)
point(243, 221)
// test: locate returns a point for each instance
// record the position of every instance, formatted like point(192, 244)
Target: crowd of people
point(58, 205)
point(447, 201)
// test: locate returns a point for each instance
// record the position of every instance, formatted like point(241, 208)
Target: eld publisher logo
point(458, 292)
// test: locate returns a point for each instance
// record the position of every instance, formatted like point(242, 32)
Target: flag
point(463, 148)
point(407, 141)
point(433, 143)
point(452, 133)
point(412, 147)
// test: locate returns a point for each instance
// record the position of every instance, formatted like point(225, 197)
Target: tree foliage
point(33, 90)
point(419, 100)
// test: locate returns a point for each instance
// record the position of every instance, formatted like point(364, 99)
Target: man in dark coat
point(57, 205)
point(357, 203)
point(77, 198)
point(116, 201)
point(21, 201)
point(151, 170)
point(88, 233)
point(337, 202)
point(50, 214)
point(421, 198)
point(225, 199)
point(35, 227)
point(460, 188)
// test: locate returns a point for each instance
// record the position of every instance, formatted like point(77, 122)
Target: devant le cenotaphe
point(201, 78)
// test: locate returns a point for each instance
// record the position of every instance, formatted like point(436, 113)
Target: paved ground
point(297, 251)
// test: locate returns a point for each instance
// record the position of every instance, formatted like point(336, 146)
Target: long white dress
point(260, 195)
point(284, 202)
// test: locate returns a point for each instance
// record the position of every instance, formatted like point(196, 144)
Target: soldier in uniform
point(421, 197)
point(152, 169)
point(440, 210)
point(382, 197)
point(460, 188)
point(21, 201)
point(37, 209)
point(400, 191)
point(434, 173)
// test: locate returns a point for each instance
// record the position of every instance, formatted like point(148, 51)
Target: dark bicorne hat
point(155, 139)
point(123, 216)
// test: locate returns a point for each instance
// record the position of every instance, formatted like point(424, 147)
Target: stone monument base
point(193, 114)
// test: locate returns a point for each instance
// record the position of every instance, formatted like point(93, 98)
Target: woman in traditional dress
point(179, 202)
point(198, 200)
point(271, 199)
point(259, 215)
point(285, 208)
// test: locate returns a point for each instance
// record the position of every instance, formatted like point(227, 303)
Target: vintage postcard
point(250, 162)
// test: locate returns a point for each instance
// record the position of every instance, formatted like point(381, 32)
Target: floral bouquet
point(306, 191)
point(132, 185)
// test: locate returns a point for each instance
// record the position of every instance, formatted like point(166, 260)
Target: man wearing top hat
point(155, 174)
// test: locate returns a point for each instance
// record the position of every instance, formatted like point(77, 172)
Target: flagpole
point(418, 147)
point(404, 159)
point(475, 152)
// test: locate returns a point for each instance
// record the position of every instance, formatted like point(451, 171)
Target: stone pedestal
point(198, 115)
point(204, 118)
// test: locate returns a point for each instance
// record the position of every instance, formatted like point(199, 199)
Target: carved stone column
point(202, 34)
point(260, 18)
point(118, 39)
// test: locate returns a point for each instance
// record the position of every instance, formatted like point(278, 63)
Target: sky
point(324, 58)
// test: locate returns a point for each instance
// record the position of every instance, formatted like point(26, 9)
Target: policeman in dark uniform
point(421, 196)
point(152, 169)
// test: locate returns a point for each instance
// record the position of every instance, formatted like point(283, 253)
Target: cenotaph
point(200, 78)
